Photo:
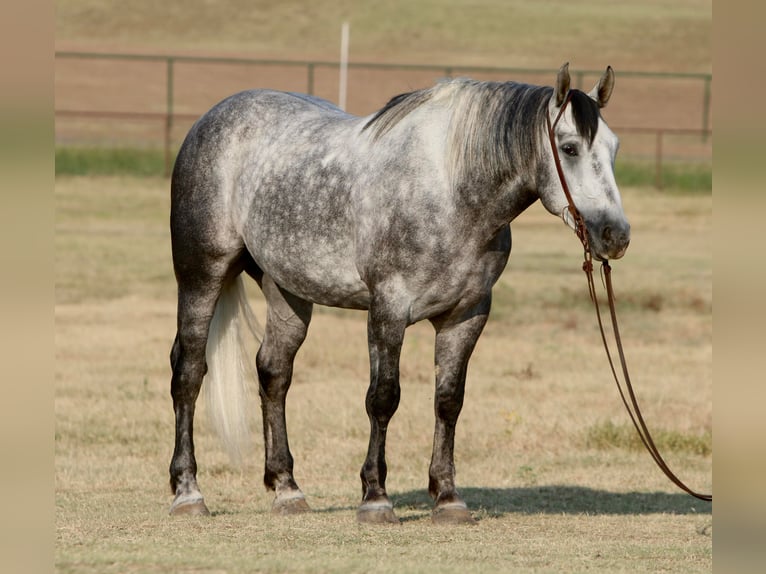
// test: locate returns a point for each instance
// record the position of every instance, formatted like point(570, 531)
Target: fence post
point(168, 115)
point(578, 80)
point(706, 109)
point(658, 161)
point(310, 80)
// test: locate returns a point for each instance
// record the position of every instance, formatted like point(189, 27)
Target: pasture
point(544, 452)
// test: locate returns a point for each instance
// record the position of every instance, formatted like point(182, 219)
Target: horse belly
point(328, 282)
point(315, 263)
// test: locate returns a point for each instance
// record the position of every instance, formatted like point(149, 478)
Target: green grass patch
point(109, 161)
point(151, 162)
point(683, 177)
point(607, 435)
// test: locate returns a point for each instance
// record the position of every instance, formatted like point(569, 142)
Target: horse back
point(272, 171)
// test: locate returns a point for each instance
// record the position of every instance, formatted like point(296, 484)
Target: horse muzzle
point(609, 241)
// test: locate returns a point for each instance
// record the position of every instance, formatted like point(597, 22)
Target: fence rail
point(169, 116)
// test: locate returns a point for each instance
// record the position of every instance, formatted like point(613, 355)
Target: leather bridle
point(582, 234)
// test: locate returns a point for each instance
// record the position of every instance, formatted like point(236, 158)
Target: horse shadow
point(497, 502)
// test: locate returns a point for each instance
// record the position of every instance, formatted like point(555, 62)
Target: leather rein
point(582, 234)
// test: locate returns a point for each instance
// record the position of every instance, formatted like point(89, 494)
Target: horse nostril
point(606, 234)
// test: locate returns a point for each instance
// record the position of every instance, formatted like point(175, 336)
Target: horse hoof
point(376, 514)
point(452, 514)
point(290, 506)
point(194, 507)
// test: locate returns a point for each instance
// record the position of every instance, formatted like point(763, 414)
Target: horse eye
point(569, 149)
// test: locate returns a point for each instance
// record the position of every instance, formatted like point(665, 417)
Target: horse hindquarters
point(207, 257)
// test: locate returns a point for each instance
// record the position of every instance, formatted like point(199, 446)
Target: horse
point(404, 213)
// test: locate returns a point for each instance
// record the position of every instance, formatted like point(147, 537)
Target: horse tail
point(227, 392)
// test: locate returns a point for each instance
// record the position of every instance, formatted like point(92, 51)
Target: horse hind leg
point(201, 279)
point(286, 326)
point(196, 304)
point(208, 254)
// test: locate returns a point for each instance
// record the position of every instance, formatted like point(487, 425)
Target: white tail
point(229, 370)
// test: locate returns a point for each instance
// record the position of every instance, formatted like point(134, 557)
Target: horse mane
point(396, 109)
point(494, 127)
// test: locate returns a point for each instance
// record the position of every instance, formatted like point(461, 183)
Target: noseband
point(582, 234)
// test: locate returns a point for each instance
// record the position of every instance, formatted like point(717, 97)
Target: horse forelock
point(586, 114)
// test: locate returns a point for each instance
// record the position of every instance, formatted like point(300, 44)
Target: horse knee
point(448, 401)
point(384, 391)
point(175, 353)
point(383, 399)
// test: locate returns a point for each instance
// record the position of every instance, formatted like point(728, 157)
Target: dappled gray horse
point(404, 213)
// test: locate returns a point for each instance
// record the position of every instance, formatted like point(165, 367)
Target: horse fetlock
point(280, 480)
point(441, 481)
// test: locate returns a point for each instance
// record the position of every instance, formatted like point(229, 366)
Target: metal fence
point(151, 100)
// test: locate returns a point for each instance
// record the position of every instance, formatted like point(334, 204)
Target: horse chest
point(449, 270)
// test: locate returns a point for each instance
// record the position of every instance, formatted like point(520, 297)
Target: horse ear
point(562, 84)
point(603, 90)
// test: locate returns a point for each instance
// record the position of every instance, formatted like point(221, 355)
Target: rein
point(580, 230)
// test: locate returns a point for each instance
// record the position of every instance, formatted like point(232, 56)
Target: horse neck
point(497, 198)
point(490, 205)
point(496, 153)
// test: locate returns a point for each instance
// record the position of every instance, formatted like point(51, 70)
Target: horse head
point(586, 149)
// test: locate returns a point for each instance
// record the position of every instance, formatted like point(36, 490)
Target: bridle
point(582, 234)
point(580, 230)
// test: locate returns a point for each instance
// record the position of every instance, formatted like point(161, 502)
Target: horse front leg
point(456, 338)
point(385, 332)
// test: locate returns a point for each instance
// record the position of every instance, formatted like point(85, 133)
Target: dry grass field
point(543, 453)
